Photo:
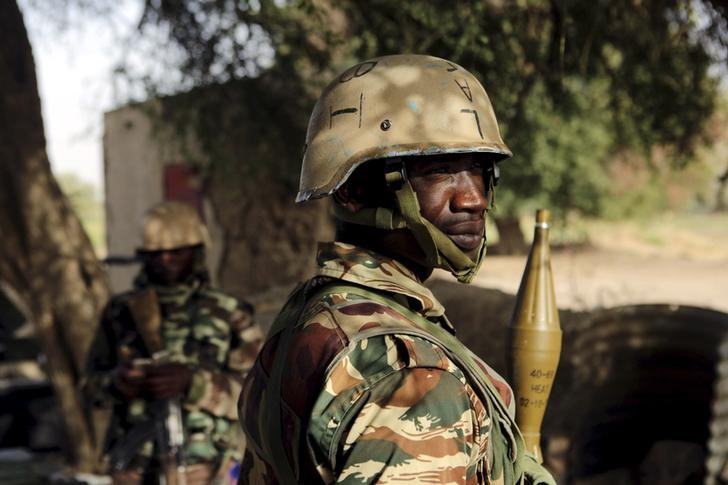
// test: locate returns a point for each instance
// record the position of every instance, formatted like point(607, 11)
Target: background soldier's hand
point(129, 381)
point(167, 380)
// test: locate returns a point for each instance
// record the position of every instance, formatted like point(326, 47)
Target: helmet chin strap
point(438, 249)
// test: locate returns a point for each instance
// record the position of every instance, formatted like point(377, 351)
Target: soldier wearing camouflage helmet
point(172, 339)
point(361, 379)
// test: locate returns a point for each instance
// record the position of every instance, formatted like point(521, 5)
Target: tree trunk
point(45, 255)
point(720, 199)
point(510, 237)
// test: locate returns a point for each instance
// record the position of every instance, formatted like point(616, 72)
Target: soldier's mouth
point(467, 234)
point(467, 242)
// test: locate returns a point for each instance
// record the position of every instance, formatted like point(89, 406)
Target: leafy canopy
point(573, 83)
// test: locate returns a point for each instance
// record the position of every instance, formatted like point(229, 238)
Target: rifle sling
point(124, 450)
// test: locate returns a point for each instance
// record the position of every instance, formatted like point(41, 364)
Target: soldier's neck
point(398, 244)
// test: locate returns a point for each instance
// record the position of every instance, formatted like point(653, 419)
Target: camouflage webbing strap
point(272, 402)
point(506, 441)
point(123, 451)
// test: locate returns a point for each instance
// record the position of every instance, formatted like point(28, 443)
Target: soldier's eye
point(436, 169)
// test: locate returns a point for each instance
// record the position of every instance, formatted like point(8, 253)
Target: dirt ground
point(592, 278)
point(675, 260)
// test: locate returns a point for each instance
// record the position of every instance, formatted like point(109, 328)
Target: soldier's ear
point(345, 197)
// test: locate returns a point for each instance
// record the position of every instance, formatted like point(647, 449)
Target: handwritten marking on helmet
point(477, 119)
point(465, 88)
point(343, 111)
point(357, 71)
point(451, 67)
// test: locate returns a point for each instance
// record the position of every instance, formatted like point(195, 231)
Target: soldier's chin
point(170, 277)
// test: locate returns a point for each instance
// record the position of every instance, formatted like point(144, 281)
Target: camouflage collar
point(367, 268)
point(177, 294)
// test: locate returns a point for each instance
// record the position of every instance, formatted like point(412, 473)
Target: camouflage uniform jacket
point(389, 408)
point(203, 327)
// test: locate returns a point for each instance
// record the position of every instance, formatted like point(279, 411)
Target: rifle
point(144, 309)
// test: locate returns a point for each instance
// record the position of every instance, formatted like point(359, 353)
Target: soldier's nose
point(469, 193)
point(166, 257)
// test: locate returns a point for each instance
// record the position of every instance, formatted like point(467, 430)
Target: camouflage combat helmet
point(172, 225)
point(391, 107)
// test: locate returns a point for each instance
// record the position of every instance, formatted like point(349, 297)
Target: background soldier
point(377, 388)
point(169, 358)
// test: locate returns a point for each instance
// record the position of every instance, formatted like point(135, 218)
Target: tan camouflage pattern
point(365, 405)
point(201, 327)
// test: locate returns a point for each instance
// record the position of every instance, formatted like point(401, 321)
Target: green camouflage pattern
point(202, 327)
point(364, 401)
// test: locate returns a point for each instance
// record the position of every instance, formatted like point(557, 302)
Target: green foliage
point(88, 207)
point(573, 83)
point(568, 165)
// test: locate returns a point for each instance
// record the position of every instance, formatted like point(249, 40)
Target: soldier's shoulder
point(401, 370)
point(378, 369)
point(373, 336)
point(379, 355)
point(351, 313)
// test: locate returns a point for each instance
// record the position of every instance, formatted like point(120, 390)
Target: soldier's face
point(451, 191)
point(169, 267)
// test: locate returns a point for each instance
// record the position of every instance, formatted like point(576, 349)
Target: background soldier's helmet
point(172, 225)
point(391, 107)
